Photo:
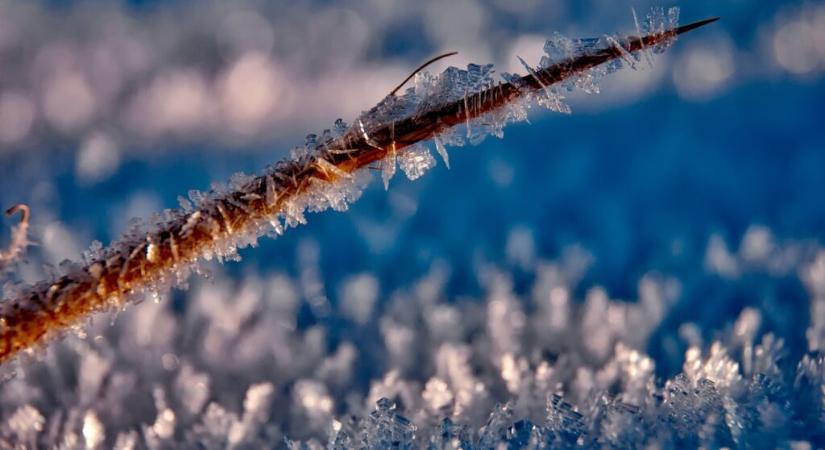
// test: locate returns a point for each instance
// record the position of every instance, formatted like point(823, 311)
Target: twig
point(149, 259)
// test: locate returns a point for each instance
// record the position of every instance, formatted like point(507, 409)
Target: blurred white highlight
point(16, 116)
point(98, 158)
point(704, 68)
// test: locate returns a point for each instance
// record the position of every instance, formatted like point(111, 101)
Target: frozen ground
point(646, 272)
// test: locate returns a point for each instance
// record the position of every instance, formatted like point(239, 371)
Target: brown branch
point(147, 260)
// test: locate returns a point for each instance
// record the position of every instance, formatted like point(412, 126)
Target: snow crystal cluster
point(273, 361)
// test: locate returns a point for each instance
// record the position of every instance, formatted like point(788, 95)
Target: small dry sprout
point(19, 236)
point(328, 172)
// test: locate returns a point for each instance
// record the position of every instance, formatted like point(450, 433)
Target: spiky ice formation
point(329, 171)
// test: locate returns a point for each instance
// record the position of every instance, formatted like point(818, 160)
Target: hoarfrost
point(93, 431)
point(658, 21)
point(414, 161)
point(387, 429)
point(442, 151)
point(238, 366)
point(559, 371)
point(388, 167)
point(552, 99)
point(25, 424)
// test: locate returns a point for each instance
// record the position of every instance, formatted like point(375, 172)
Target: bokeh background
point(706, 168)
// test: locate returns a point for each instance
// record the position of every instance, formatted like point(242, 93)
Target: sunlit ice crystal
point(442, 151)
point(695, 412)
point(93, 432)
point(337, 196)
point(627, 58)
point(719, 367)
point(492, 123)
point(415, 160)
point(658, 21)
point(314, 406)
point(25, 424)
point(390, 109)
point(387, 429)
point(454, 84)
point(560, 50)
point(340, 127)
point(451, 436)
point(552, 98)
point(499, 428)
point(564, 426)
point(644, 51)
point(388, 167)
point(479, 76)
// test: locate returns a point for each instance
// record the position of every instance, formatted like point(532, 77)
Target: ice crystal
point(552, 99)
point(451, 436)
point(658, 21)
point(388, 167)
point(442, 151)
point(387, 429)
point(415, 161)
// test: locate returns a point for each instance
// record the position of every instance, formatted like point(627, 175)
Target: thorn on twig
point(420, 68)
point(23, 209)
point(19, 235)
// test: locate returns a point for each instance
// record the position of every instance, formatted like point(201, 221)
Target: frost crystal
point(552, 100)
point(415, 160)
point(658, 21)
point(388, 166)
point(25, 423)
point(93, 432)
point(386, 429)
point(442, 151)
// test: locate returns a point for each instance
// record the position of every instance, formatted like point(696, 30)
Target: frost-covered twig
point(19, 236)
point(327, 172)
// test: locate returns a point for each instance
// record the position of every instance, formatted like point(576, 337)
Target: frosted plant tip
point(692, 26)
